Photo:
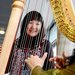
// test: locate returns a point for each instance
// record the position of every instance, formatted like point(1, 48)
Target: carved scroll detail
point(64, 17)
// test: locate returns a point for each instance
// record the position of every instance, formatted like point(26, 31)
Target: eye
point(37, 24)
point(30, 22)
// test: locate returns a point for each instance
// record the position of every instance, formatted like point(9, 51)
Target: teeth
point(33, 30)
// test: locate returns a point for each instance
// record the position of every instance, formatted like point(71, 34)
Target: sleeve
point(48, 64)
point(39, 71)
point(69, 70)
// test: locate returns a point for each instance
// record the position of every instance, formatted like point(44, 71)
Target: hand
point(59, 62)
point(34, 61)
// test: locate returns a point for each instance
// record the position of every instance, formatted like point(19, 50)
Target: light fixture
point(2, 31)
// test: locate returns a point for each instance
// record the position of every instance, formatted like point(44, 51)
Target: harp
point(8, 48)
point(64, 14)
point(63, 22)
point(17, 9)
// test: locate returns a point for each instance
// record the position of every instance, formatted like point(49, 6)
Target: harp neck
point(17, 9)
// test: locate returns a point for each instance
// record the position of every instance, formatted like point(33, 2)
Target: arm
point(69, 70)
point(12, 56)
point(35, 63)
point(38, 71)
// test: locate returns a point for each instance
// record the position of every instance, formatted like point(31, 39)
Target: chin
point(32, 35)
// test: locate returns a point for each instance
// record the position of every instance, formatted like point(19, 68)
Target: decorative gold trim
point(64, 17)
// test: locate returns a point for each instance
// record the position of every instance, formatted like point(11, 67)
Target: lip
point(32, 30)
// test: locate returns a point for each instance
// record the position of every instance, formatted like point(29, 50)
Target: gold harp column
point(64, 17)
point(17, 9)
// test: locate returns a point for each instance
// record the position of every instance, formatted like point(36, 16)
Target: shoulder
point(47, 44)
point(45, 41)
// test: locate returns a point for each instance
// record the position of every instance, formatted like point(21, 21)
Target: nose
point(33, 25)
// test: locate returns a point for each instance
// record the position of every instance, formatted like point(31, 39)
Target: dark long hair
point(24, 39)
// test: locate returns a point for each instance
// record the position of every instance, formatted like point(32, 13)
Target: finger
point(57, 65)
point(31, 56)
point(51, 59)
point(54, 59)
point(26, 60)
point(44, 56)
point(29, 64)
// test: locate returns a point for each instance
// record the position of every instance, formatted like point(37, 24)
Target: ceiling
point(5, 9)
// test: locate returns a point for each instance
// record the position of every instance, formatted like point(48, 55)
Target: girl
point(31, 41)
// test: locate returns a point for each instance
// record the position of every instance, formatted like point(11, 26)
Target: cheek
point(28, 27)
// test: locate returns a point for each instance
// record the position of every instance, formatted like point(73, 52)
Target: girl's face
point(33, 28)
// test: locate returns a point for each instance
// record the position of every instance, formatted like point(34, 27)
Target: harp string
point(12, 54)
point(10, 67)
point(48, 39)
point(12, 57)
point(23, 42)
point(14, 51)
point(43, 48)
